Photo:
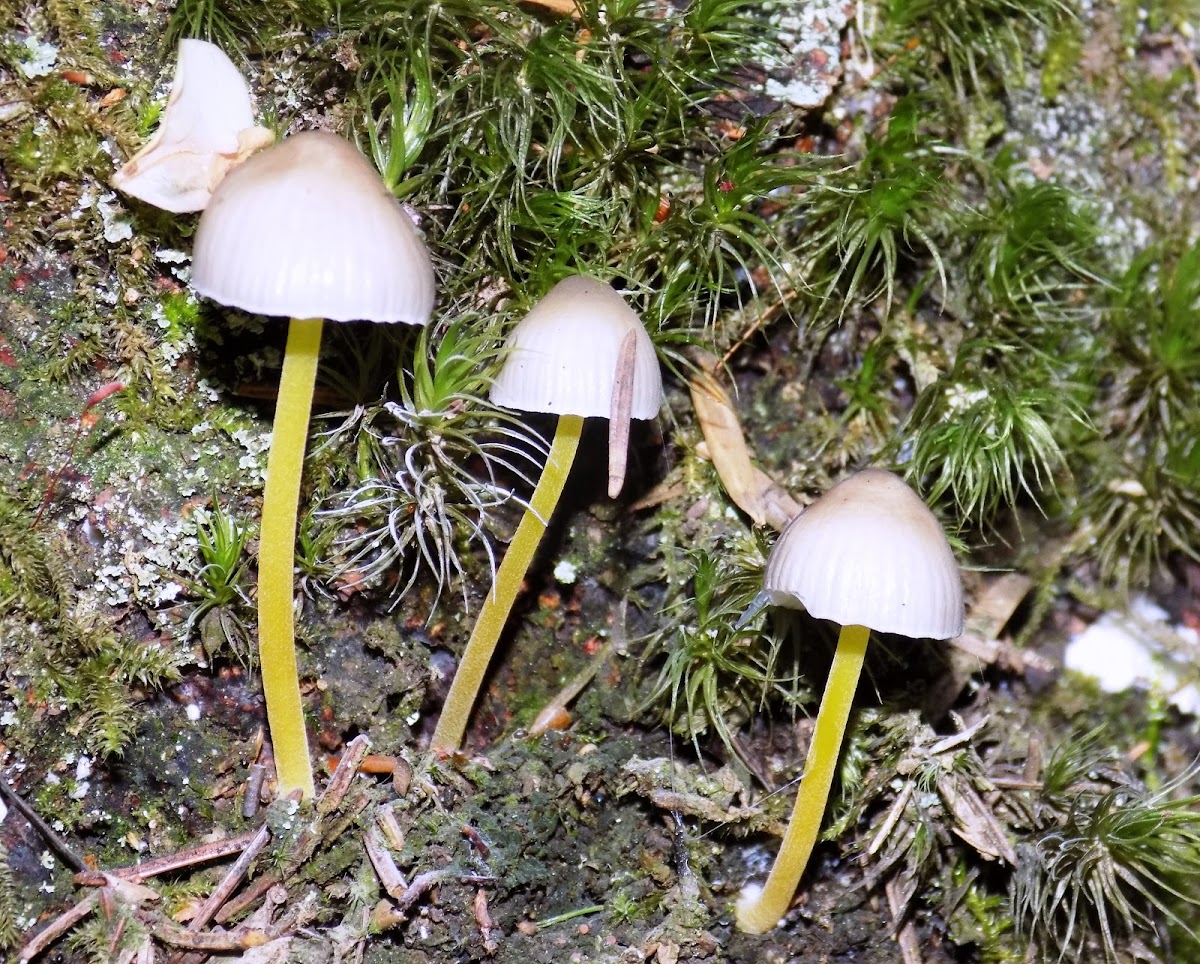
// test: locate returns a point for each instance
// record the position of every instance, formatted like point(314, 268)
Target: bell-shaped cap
point(206, 129)
point(869, 553)
point(565, 354)
point(307, 229)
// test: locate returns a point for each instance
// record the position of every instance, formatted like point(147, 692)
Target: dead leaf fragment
point(754, 492)
point(974, 821)
point(564, 8)
point(114, 96)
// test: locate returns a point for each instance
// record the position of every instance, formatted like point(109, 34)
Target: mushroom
point(581, 352)
point(307, 230)
point(869, 555)
point(207, 128)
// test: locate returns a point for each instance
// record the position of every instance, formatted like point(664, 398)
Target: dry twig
point(389, 874)
point(57, 844)
point(202, 853)
point(57, 927)
point(230, 881)
point(387, 915)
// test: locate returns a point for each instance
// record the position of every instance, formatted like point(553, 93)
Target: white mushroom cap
point(307, 229)
point(869, 553)
point(564, 355)
point(206, 128)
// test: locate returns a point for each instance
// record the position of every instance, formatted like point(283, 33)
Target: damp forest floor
point(956, 239)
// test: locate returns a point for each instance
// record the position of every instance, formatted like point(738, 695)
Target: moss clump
point(81, 663)
point(715, 673)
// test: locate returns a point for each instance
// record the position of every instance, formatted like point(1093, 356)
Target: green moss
point(714, 673)
point(890, 205)
point(980, 442)
point(24, 572)
point(1143, 473)
point(1033, 256)
point(182, 314)
point(1064, 48)
point(9, 929)
point(956, 317)
point(983, 918)
point(1118, 861)
point(1154, 16)
point(61, 139)
point(101, 936)
point(230, 24)
point(981, 43)
point(422, 479)
point(81, 662)
point(592, 129)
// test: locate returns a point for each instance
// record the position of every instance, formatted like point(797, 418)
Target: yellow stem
point(276, 558)
point(759, 911)
point(452, 724)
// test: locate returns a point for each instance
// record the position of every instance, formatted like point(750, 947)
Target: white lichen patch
point(206, 390)
point(144, 537)
point(117, 226)
point(151, 562)
point(805, 62)
point(254, 462)
point(180, 262)
point(36, 57)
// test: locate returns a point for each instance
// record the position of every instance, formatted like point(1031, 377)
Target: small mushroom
point(206, 129)
point(581, 352)
point(868, 555)
point(305, 230)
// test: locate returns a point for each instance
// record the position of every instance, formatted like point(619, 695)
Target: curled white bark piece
point(207, 128)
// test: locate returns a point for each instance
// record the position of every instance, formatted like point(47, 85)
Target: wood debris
point(124, 886)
